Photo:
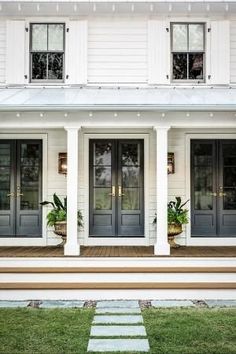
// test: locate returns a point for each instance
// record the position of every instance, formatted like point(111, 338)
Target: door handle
point(12, 194)
point(222, 194)
point(214, 194)
point(113, 191)
point(18, 194)
point(120, 191)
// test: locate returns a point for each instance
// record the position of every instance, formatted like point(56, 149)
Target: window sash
point(188, 49)
point(47, 50)
point(47, 53)
point(188, 79)
point(188, 52)
point(47, 67)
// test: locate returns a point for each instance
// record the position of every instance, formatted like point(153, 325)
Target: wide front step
point(137, 269)
point(111, 285)
point(117, 278)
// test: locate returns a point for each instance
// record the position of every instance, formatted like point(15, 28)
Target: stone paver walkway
point(221, 303)
point(121, 320)
point(47, 304)
point(172, 303)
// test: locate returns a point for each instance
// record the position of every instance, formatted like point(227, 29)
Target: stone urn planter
point(60, 230)
point(174, 229)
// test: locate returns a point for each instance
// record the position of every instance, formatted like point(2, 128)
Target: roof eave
point(119, 107)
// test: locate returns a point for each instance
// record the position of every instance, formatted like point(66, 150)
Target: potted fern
point(57, 216)
point(177, 217)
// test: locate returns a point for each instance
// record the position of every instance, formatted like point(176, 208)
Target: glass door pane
point(130, 183)
point(29, 187)
point(102, 176)
point(228, 189)
point(203, 176)
point(5, 176)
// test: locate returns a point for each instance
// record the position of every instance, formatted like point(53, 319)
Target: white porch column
point(72, 247)
point(162, 246)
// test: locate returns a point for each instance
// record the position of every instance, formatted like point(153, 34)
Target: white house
point(118, 86)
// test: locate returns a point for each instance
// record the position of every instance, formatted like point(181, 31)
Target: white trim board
point(116, 241)
point(202, 241)
point(31, 241)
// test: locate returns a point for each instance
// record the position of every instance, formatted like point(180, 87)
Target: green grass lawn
point(191, 331)
point(66, 331)
point(44, 331)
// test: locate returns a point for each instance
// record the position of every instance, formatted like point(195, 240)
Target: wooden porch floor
point(117, 251)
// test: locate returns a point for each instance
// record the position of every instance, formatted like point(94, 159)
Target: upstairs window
point(47, 52)
point(188, 51)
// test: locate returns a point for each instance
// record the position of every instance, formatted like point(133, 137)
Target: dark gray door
point(116, 188)
point(227, 188)
point(20, 188)
point(213, 188)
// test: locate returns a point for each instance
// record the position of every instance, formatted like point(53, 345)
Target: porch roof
point(91, 98)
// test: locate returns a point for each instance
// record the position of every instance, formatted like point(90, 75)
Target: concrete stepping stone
point(221, 303)
point(172, 303)
point(118, 304)
point(51, 304)
point(117, 331)
point(119, 319)
point(14, 304)
point(118, 345)
point(117, 310)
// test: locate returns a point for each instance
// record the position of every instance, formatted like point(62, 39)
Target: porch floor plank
point(118, 251)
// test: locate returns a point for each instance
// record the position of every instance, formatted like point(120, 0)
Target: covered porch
point(66, 120)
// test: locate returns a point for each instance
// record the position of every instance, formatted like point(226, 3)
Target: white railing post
point(72, 247)
point(162, 246)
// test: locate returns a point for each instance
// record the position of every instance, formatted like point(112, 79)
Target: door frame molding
point(121, 241)
point(31, 241)
point(200, 241)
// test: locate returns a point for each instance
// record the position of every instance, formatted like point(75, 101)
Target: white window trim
point(30, 20)
point(28, 241)
point(202, 241)
point(31, 52)
point(115, 241)
point(207, 51)
point(205, 37)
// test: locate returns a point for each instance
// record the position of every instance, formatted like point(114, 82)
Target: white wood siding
point(117, 51)
point(2, 51)
point(233, 51)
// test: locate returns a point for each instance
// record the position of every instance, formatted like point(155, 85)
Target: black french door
point(116, 188)
point(20, 188)
point(213, 188)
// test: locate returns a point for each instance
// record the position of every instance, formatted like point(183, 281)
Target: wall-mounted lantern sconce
point(62, 163)
point(171, 163)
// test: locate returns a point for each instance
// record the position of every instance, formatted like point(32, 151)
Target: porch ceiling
point(146, 99)
point(119, 7)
